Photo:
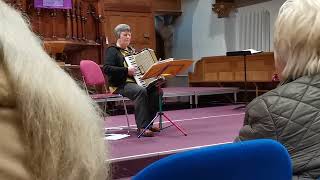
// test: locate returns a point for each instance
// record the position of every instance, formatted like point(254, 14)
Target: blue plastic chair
point(249, 160)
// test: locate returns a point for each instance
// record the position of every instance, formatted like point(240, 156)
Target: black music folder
point(243, 52)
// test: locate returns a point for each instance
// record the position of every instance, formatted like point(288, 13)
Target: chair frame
point(106, 97)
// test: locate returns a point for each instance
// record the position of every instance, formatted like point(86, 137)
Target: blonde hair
point(62, 127)
point(297, 38)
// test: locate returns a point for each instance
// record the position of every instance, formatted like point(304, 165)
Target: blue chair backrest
point(249, 160)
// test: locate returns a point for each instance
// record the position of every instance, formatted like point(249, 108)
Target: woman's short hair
point(297, 38)
point(121, 28)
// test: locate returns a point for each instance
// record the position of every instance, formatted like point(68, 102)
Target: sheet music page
point(113, 137)
point(165, 60)
point(253, 51)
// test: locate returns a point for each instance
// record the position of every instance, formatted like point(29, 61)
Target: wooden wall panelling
point(198, 74)
point(47, 24)
point(142, 27)
point(53, 15)
point(128, 5)
point(260, 68)
point(221, 68)
point(166, 6)
point(60, 24)
point(35, 16)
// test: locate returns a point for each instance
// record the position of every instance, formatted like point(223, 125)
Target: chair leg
point(105, 109)
point(126, 112)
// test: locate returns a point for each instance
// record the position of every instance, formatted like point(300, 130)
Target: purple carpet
point(204, 126)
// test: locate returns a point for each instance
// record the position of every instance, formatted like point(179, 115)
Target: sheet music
point(113, 137)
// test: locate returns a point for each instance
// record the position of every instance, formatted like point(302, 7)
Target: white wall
point(208, 31)
point(182, 45)
point(200, 33)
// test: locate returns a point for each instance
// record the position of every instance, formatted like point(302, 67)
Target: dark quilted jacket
point(289, 114)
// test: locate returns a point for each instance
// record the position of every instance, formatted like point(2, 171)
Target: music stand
point(244, 54)
point(172, 68)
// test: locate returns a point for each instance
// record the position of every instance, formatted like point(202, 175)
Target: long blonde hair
point(297, 38)
point(62, 127)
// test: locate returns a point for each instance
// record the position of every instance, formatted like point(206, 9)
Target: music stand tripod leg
point(157, 115)
point(173, 123)
point(160, 106)
point(160, 114)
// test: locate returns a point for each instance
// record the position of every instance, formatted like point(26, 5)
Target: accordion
point(142, 62)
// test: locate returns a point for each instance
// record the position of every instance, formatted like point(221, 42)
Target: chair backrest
point(91, 72)
point(249, 160)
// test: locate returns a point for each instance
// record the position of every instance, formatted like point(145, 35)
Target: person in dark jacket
point(121, 81)
point(290, 113)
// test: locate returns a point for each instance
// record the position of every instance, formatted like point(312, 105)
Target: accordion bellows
point(142, 62)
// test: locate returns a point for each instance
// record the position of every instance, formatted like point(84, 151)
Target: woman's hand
point(131, 71)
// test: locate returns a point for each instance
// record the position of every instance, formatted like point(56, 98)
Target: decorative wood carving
point(69, 27)
point(76, 30)
point(223, 9)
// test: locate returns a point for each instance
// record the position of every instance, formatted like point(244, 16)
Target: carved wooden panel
point(80, 23)
point(142, 27)
point(81, 31)
point(78, 30)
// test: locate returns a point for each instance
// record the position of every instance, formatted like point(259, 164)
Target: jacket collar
point(130, 49)
point(288, 80)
